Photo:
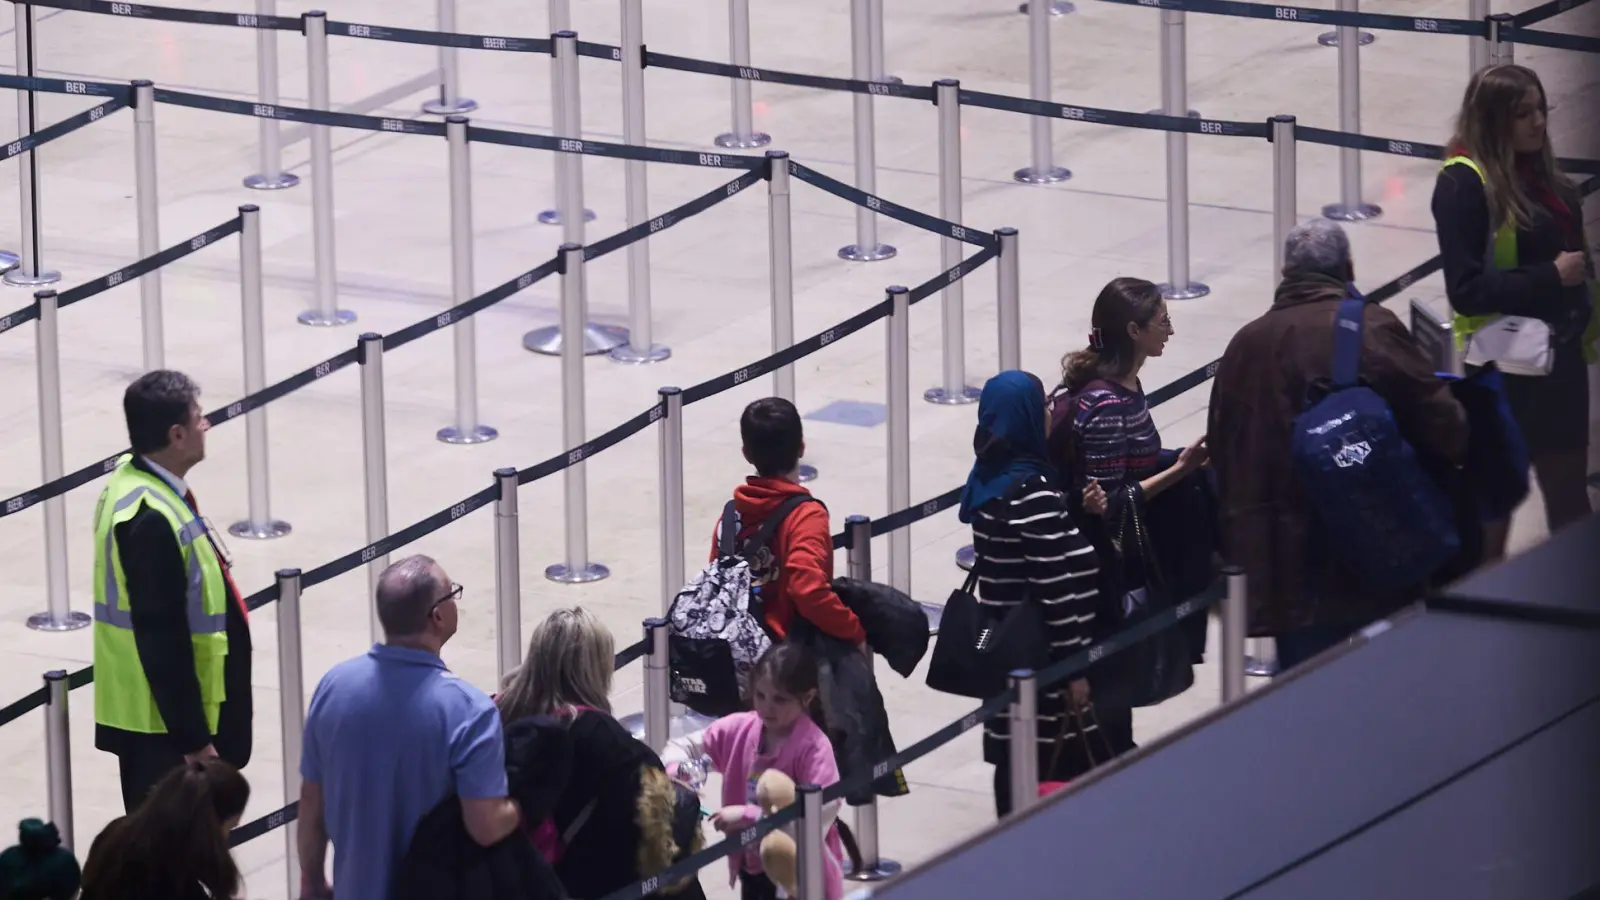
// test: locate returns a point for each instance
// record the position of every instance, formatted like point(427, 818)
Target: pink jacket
point(807, 756)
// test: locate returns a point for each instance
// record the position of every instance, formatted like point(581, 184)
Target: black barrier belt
point(600, 51)
point(1311, 16)
point(472, 307)
point(1095, 116)
point(149, 263)
point(628, 655)
point(298, 114)
point(169, 14)
point(899, 520)
point(672, 217)
point(1556, 39)
point(726, 847)
point(43, 492)
point(26, 704)
point(287, 386)
point(772, 76)
point(67, 86)
point(810, 345)
point(21, 317)
point(269, 822)
point(583, 451)
point(953, 274)
point(64, 127)
point(440, 38)
point(615, 151)
point(404, 536)
point(262, 598)
point(892, 210)
point(1544, 11)
point(1364, 142)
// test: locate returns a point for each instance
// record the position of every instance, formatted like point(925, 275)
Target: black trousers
point(142, 764)
point(756, 887)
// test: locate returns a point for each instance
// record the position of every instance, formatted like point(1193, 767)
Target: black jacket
point(445, 863)
point(857, 722)
point(152, 567)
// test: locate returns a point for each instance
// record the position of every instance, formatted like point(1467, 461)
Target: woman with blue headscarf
point(1029, 551)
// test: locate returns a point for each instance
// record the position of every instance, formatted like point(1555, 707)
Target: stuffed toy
point(779, 857)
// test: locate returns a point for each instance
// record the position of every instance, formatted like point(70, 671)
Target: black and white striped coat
point(1029, 550)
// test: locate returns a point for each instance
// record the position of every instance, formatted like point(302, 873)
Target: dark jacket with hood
point(1261, 386)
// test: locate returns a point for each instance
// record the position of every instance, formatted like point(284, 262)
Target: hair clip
point(1096, 339)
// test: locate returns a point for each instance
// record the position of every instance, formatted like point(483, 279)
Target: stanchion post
point(1056, 7)
point(670, 455)
point(566, 103)
point(1023, 740)
point(1261, 657)
point(291, 710)
point(640, 346)
point(657, 685)
point(374, 448)
point(877, 63)
point(467, 429)
point(507, 574)
point(1334, 37)
point(811, 848)
point(30, 270)
point(858, 555)
point(58, 753)
point(1285, 187)
point(866, 248)
point(1235, 625)
point(272, 177)
point(450, 102)
point(1501, 50)
point(326, 312)
point(1043, 170)
point(898, 380)
point(780, 270)
point(1175, 102)
point(1008, 295)
point(147, 200)
point(744, 134)
point(953, 388)
point(577, 569)
point(1350, 208)
point(260, 525)
point(1478, 48)
point(58, 615)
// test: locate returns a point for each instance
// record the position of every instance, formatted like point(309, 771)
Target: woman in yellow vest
point(1510, 229)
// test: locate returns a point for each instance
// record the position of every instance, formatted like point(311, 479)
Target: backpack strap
point(1347, 342)
point(763, 535)
point(728, 533)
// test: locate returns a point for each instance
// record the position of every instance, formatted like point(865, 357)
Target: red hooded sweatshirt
point(797, 577)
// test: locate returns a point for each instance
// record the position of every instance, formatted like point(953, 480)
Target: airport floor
point(710, 304)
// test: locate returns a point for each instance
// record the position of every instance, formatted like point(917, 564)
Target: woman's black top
point(141, 879)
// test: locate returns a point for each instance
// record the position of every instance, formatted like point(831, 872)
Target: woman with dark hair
point(1511, 236)
point(175, 845)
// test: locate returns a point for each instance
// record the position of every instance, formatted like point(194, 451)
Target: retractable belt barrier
point(773, 76)
point(171, 14)
point(64, 127)
point(440, 38)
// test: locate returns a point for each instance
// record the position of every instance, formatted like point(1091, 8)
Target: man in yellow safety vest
point(171, 635)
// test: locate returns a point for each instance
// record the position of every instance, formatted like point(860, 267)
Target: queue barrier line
point(67, 86)
point(62, 128)
point(1555, 39)
point(796, 79)
point(441, 38)
point(672, 217)
point(614, 151)
point(1096, 116)
point(297, 114)
point(173, 14)
point(149, 264)
point(1544, 11)
point(1312, 16)
point(894, 211)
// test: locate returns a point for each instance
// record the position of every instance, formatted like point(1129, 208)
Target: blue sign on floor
point(851, 412)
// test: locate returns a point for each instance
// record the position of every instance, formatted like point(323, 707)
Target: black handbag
point(978, 646)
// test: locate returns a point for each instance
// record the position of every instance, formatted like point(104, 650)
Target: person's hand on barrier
point(1569, 264)
point(1194, 456)
point(730, 818)
point(1094, 498)
point(206, 752)
point(1078, 693)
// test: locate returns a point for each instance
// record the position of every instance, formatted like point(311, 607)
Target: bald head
point(407, 592)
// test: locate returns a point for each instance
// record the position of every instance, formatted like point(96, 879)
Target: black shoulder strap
point(728, 533)
point(764, 534)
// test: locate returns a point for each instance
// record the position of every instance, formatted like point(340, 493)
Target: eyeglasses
point(455, 594)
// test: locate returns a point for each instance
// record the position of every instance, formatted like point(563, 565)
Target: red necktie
point(227, 573)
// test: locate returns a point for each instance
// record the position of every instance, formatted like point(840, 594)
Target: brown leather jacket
point(1260, 387)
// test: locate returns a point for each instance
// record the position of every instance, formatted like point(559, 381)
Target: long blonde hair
point(569, 664)
point(1483, 132)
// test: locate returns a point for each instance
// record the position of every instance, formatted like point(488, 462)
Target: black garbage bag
point(897, 628)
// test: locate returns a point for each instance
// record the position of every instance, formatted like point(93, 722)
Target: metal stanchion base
point(315, 317)
point(807, 473)
point(856, 253)
point(935, 613)
point(279, 182)
point(1031, 175)
point(1331, 38)
point(461, 107)
point(942, 397)
point(883, 871)
point(597, 339)
point(591, 572)
point(478, 434)
point(553, 216)
point(18, 278)
point(46, 622)
point(684, 723)
point(1358, 213)
point(1260, 668)
point(966, 557)
point(1194, 290)
point(8, 261)
point(1057, 8)
point(733, 141)
point(628, 353)
point(266, 531)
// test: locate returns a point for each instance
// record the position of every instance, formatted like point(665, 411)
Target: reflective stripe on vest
point(122, 697)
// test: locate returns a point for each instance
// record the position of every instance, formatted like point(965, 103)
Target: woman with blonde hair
point(1511, 237)
point(616, 811)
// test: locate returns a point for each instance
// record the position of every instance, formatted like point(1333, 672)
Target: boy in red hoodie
point(795, 573)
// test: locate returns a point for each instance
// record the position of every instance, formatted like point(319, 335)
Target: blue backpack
point(1385, 517)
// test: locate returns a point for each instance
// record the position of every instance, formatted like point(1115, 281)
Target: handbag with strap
point(1047, 788)
point(978, 646)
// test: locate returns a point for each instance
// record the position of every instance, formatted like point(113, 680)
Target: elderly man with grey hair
point(1298, 591)
point(391, 734)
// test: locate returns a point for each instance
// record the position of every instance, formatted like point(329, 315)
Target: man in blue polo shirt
point(391, 734)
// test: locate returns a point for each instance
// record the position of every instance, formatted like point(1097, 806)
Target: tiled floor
point(710, 288)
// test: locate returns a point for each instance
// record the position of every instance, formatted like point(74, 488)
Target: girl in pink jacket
point(784, 732)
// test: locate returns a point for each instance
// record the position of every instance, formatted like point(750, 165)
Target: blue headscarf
point(1009, 441)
